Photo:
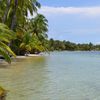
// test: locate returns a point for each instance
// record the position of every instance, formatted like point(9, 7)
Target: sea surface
point(58, 76)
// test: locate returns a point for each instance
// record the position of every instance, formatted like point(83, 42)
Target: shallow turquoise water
point(58, 76)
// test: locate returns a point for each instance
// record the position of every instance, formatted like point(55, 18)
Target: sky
point(73, 20)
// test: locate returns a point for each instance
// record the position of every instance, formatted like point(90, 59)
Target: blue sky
point(73, 20)
point(67, 3)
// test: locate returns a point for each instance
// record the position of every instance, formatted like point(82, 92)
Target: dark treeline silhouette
point(70, 46)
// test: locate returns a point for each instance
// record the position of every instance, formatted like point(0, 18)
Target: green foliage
point(14, 13)
point(23, 35)
point(28, 43)
point(30, 33)
point(67, 45)
point(32, 37)
point(5, 36)
point(39, 25)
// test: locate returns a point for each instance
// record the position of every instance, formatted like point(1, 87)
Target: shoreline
point(2, 60)
point(29, 55)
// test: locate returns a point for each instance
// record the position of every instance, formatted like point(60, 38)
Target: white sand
point(29, 55)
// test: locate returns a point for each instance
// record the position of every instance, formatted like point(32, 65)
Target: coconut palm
point(15, 12)
point(30, 42)
point(39, 27)
point(15, 15)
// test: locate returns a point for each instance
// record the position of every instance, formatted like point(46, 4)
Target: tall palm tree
point(5, 9)
point(15, 12)
point(39, 26)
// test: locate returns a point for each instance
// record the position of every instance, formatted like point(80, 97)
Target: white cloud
point(97, 43)
point(88, 11)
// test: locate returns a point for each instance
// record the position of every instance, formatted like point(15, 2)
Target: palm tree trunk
point(13, 23)
point(6, 11)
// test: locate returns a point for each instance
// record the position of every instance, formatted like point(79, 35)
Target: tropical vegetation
point(70, 46)
point(18, 33)
point(5, 37)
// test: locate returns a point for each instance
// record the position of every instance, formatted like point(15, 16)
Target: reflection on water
point(60, 76)
point(23, 77)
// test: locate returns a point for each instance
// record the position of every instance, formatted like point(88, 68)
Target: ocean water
point(58, 76)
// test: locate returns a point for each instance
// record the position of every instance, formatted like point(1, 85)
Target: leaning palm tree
point(5, 37)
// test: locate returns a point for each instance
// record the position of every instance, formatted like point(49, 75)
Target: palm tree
point(30, 42)
point(15, 15)
point(15, 12)
point(5, 36)
point(32, 35)
point(39, 27)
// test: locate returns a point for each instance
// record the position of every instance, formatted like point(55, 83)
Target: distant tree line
point(70, 46)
